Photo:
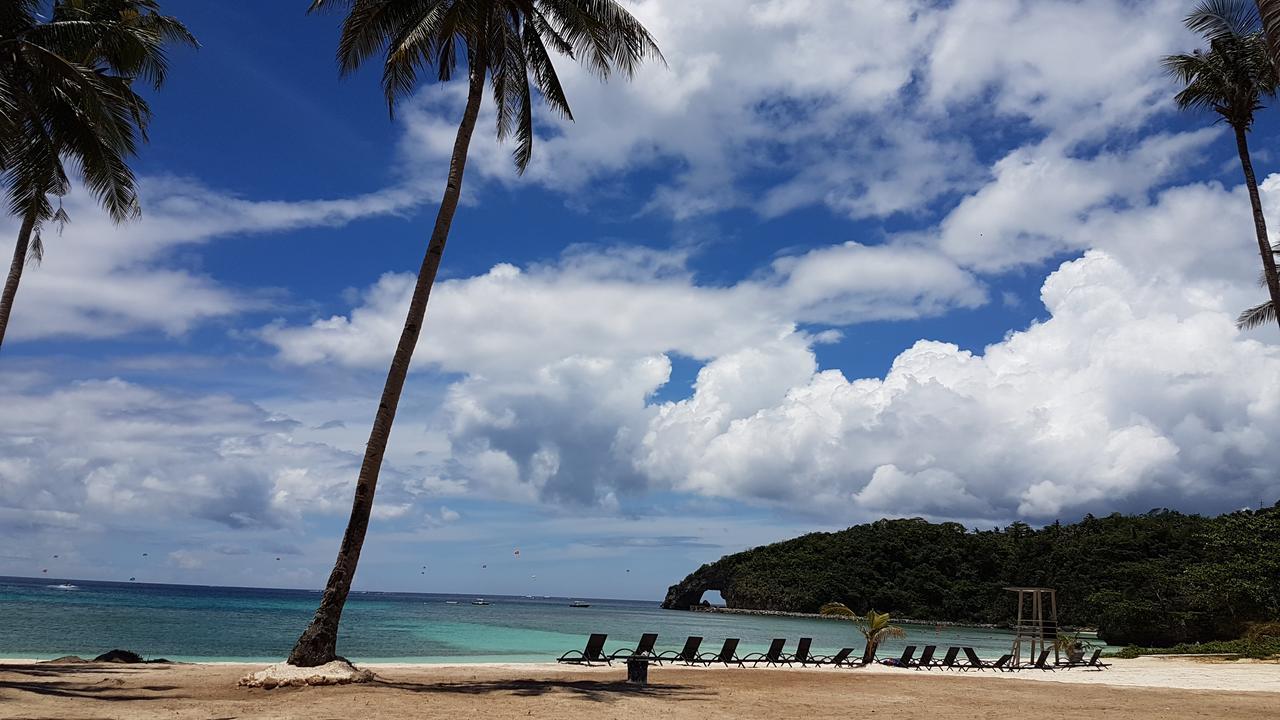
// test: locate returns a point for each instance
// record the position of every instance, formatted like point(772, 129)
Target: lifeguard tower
point(1036, 631)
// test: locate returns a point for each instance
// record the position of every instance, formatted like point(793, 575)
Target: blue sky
point(837, 261)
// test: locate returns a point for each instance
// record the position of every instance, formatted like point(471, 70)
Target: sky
point(837, 260)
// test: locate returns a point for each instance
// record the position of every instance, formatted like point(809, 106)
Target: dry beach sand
point(1143, 688)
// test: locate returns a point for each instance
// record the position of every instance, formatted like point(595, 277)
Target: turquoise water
point(194, 623)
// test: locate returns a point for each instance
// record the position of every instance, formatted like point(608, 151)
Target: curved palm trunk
point(1270, 12)
point(15, 272)
point(318, 643)
point(869, 652)
point(1259, 222)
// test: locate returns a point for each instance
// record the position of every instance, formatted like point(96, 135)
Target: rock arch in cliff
point(688, 592)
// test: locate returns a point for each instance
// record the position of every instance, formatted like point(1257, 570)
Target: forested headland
point(1155, 579)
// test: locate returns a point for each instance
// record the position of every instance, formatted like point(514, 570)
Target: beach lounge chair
point(726, 656)
point(687, 655)
point(803, 655)
point(948, 660)
point(1042, 662)
point(592, 653)
point(905, 661)
point(644, 649)
point(841, 659)
point(975, 662)
point(1094, 663)
point(926, 657)
point(774, 656)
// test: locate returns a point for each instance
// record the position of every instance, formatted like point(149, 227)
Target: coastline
point(818, 616)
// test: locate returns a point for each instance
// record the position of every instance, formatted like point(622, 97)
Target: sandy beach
point(1143, 688)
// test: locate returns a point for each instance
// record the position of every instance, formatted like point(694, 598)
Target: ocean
point(44, 618)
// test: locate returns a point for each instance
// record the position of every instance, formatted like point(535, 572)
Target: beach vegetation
point(508, 45)
point(1231, 78)
point(68, 106)
point(876, 627)
point(1073, 644)
point(1257, 648)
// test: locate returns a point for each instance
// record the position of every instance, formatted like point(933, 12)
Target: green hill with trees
point(1156, 579)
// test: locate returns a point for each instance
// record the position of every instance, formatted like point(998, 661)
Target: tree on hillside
point(510, 44)
point(1231, 78)
point(67, 98)
point(875, 627)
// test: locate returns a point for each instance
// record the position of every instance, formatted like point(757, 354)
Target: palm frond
point(422, 41)
point(1257, 316)
point(543, 69)
point(892, 631)
point(837, 609)
point(605, 37)
point(127, 36)
point(1215, 19)
point(1270, 15)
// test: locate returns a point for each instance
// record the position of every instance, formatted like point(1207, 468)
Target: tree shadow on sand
point(590, 690)
point(95, 682)
point(43, 670)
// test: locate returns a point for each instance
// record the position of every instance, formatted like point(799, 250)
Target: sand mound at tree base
point(338, 672)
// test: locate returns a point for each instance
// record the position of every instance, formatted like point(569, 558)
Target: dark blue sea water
point(39, 619)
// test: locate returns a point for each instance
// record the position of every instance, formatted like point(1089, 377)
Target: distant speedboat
point(480, 601)
point(579, 603)
point(450, 602)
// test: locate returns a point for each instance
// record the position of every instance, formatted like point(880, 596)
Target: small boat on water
point(579, 603)
point(450, 602)
point(480, 601)
point(65, 586)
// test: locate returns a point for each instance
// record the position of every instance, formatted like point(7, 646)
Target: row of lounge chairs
point(594, 653)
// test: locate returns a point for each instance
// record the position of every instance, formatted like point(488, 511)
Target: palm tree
point(66, 91)
point(875, 627)
point(1231, 78)
point(1269, 11)
point(509, 43)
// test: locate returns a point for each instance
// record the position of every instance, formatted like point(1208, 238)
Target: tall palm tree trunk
point(1259, 222)
point(318, 643)
point(15, 272)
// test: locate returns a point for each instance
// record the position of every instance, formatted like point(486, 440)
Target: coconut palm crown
point(506, 45)
point(1232, 78)
point(510, 41)
point(67, 100)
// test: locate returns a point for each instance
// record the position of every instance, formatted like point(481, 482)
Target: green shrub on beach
point(1244, 647)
